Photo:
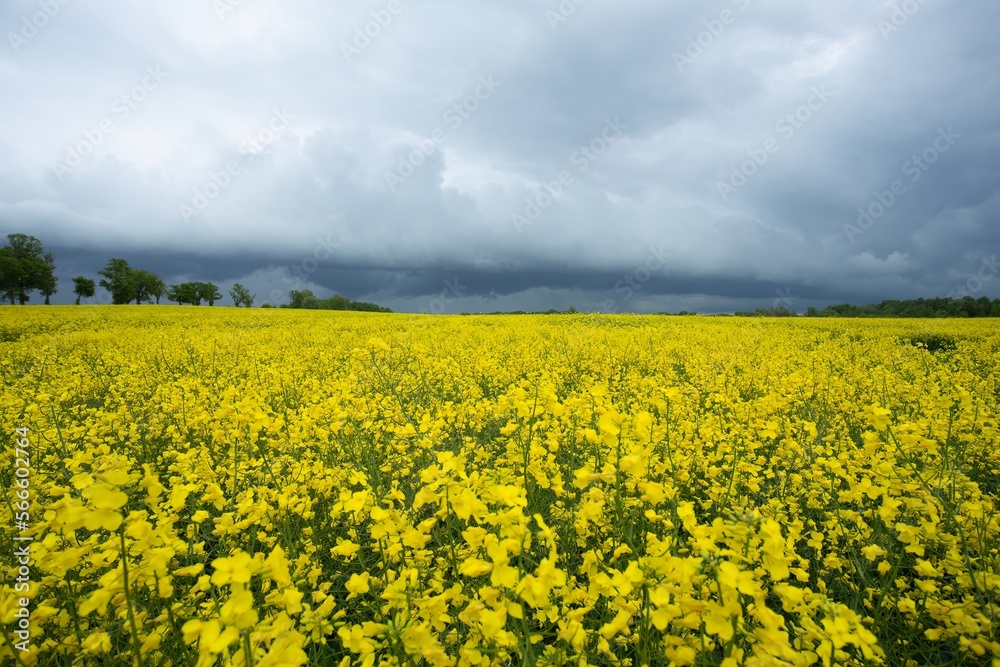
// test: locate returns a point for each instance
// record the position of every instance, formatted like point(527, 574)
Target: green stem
point(13, 649)
point(128, 600)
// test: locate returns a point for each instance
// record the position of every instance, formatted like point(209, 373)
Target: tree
point(83, 288)
point(241, 295)
point(307, 300)
point(142, 283)
point(48, 280)
point(209, 292)
point(118, 280)
point(146, 286)
point(156, 287)
point(366, 306)
point(10, 274)
point(336, 302)
point(127, 284)
point(185, 293)
point(23, 267)
point(298, 298)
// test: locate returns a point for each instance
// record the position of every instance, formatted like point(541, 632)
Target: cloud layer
point(446, 156)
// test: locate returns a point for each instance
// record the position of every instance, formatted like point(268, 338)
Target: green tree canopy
point(307, 300)
point(83, 288)
point(155, 286)
point(241, 296)
point(25, 266)
point(298, 298)
point(127, 284)
point(141, 280)
point(209, 292)
point(47, 284)
point(118, 280)
point(185, 293)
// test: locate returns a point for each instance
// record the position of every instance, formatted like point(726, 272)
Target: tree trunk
point(78, 299)
point(47, 300)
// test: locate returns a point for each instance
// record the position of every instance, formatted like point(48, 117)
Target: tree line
point(305, 299)
point(942, 307)
point(127, 284)
point(25, 267)
point(925, 308)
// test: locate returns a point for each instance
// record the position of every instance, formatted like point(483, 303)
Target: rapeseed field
point(213, 486)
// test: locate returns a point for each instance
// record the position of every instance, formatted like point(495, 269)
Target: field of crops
point(272, 487)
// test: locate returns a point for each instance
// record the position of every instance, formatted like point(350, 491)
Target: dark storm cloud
point(457, 157)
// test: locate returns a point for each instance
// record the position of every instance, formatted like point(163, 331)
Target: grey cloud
point(322, 180)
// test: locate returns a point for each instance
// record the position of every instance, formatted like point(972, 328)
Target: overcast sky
point(446, 156)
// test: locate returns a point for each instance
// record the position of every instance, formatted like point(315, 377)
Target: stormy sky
point(446, 156)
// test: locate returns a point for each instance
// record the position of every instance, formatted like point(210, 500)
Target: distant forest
point(930, 308)
point(943, 307)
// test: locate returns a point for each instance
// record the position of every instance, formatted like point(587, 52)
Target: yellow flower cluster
point(278, 488)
